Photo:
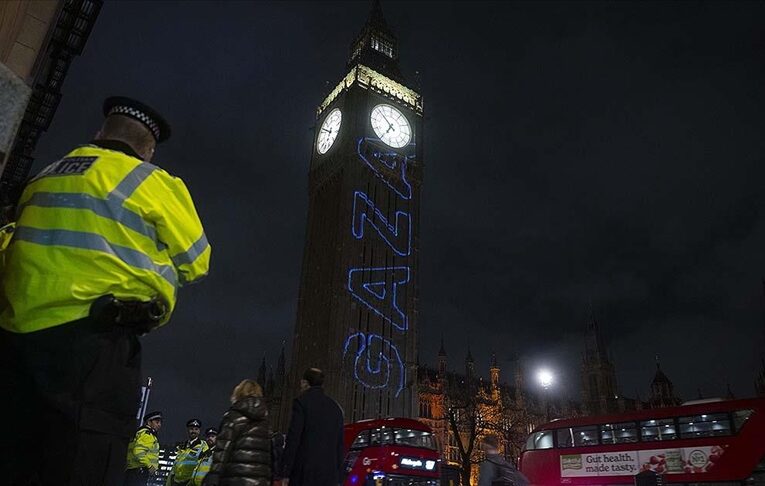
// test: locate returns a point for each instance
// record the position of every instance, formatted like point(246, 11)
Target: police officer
point(143, 451)
point(205, 459)
point(102, 243)
point(187, 455)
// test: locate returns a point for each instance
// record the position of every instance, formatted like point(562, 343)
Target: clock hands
point(390, 125)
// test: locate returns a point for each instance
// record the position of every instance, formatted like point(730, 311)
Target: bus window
point(706, 425)
point(361, 440)
point(565, 437)
point(414, 438)
point(584, 436)
point(658, 429)
point(539, 440)
point(382, 436)
point(740, 417)
point(621, 433)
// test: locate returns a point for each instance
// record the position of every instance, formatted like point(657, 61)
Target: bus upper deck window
point(585, 436)
point(565, 437)
point(540, 440)
point(361, 440)
point(414, 438)
point(382, 436)
point(704, 425)
point(740, 417)
point(620, 433)
point(658, 429)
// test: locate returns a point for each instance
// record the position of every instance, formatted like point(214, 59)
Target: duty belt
point(141, 316)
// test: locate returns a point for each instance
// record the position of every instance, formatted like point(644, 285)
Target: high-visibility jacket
point(6, 233)
point(98, 222)
point(203, 467)
point(186, 460)
point(143, 450)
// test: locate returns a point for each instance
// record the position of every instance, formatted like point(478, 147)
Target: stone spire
point(262, 373)
point(280, 375)
point(599, 386)
point(518, 384)
point(442, 361)
point(494, 373)
point(469, 364)
point(662, 390)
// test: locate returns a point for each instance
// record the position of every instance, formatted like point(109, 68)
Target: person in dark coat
point(313, 454)
point(495, 470)
point(242, 454)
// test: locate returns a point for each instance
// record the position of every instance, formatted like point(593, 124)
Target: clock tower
point(357, 307)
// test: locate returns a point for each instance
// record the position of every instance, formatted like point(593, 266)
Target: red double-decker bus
point(714, 442)
point(390, 452)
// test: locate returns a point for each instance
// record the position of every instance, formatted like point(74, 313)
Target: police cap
point(193, 423)
point(152, 416)
point(121, 105)
point(211, 431)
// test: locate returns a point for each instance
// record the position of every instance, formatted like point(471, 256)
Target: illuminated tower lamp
point(545, 379)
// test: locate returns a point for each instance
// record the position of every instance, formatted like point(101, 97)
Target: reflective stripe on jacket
point(186, 461)
point(97, 222)
point(143, 450)
point(203, 467)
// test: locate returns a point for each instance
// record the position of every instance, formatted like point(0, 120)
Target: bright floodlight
point(545, 378)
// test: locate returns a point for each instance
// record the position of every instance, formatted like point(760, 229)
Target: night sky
point(577, 154)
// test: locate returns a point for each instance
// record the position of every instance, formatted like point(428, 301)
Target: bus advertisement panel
point(689, 460)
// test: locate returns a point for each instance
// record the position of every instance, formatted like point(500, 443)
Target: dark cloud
point(606, 154)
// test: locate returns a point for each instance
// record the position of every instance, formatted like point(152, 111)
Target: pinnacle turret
point(442, 350)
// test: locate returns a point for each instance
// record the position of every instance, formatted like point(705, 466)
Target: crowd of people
point(243, 450)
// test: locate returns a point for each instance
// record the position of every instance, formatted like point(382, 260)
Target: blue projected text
point(383, 164)
point(398, 237)
point(377, 288)
point(377, 362)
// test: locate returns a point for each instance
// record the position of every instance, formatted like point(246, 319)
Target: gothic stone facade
point(462, 408)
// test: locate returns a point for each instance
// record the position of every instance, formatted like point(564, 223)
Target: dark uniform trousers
point(72, 393)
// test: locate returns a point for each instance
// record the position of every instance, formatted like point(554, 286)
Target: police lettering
point(68, 166)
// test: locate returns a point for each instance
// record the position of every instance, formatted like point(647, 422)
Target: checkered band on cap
point(152, 416)
point(138, 115)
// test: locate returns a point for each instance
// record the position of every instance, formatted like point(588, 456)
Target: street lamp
point(545, 379)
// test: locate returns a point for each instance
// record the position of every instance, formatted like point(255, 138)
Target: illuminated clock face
point(329, 130)
point(391, 126)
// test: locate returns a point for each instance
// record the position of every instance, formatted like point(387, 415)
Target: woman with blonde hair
point(243, 448)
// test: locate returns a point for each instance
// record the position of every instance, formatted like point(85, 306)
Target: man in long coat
point(314, 450)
